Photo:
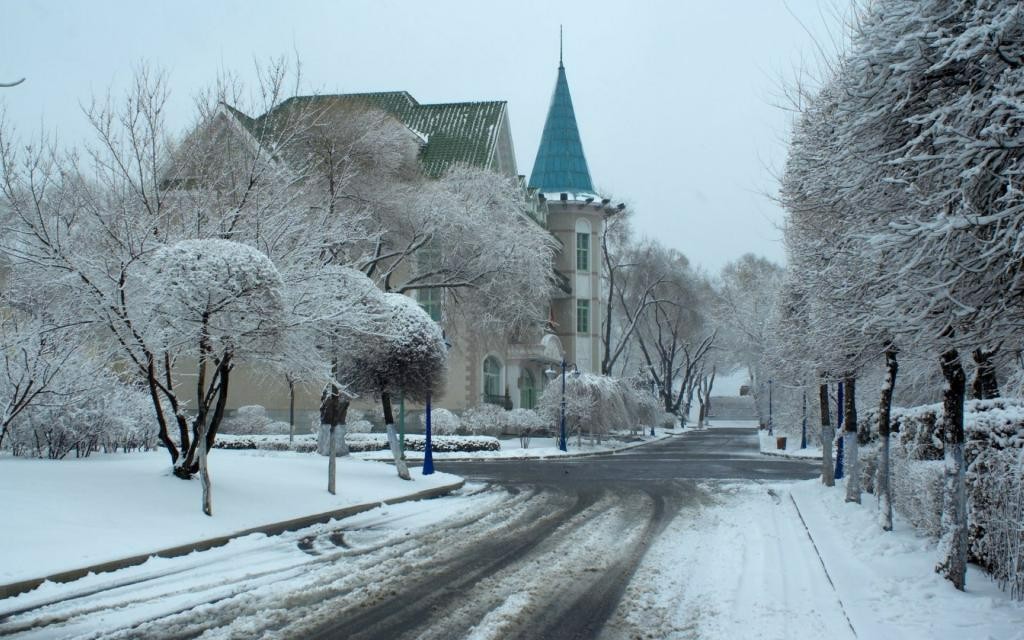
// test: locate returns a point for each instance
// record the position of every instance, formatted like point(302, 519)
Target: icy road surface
point(680, 539)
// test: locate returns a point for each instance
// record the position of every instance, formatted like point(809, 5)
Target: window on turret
point(582, 251)
point(583, 316)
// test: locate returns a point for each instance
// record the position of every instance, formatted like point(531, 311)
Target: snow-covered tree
point(409, 356)
point(217, 303)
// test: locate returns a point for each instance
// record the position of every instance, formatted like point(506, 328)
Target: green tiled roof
point(458, 132)
point(560, 165)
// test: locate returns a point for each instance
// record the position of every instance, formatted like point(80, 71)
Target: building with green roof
point(559, 195)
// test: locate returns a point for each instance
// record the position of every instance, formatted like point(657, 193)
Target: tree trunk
point(332, 464)
point(850, 438)
point(884, 412)
point(953, 544)
point(204, 474)
point(291, 410)
point(389, 423)
point(828, 435)
point(154, 394)
point(985, 386)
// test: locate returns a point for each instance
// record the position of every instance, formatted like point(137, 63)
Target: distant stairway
point(732, 408)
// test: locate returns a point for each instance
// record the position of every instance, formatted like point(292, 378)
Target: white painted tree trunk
point(850, 452)
point(332, 466)
point(204, 473)
point(323, 440)
point(396, 452)
point(953, 544)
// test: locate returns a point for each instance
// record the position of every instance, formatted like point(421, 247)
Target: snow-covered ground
point(743, 566)
point(62, 515)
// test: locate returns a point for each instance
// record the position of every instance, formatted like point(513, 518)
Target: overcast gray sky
point(675, 100)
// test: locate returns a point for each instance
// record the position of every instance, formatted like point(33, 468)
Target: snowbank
point(62, 515)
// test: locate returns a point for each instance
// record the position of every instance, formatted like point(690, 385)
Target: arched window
point(492, 380)
point(527, 390)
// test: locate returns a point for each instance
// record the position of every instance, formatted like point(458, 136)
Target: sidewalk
point(64, 519)
point(886, 580)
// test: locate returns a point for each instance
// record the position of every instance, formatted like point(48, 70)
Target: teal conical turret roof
point(560, 166)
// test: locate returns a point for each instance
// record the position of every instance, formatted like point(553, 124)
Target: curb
point(583, 454)
point(272, 529)
point(814, 545)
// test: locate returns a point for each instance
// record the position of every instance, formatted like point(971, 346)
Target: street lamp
point(770, 430)
point(428, 449)
point(561, 425)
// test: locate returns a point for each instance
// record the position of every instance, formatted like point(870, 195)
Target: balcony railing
point(499, 400)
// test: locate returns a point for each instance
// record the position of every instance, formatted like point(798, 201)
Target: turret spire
point(560, 166)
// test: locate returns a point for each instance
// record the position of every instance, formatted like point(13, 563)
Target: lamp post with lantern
point(551, 373)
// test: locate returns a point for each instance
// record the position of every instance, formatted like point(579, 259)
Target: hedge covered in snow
point(994, 454)
point(359, 442)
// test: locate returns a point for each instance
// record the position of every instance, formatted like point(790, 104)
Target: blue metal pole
point(839, 445)
point(428, 453)
point(561, 430)
point(803, 429)
point(771, 429)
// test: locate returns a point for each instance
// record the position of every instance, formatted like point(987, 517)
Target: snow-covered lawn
point(62, 515)
point(769, 445)
point(511, 448)
point(745, 567)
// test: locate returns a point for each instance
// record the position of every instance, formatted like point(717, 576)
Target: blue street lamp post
point(654, 390)
point(428, 454)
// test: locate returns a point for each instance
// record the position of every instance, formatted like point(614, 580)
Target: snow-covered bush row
point(995, 471)
point(359, 443)
point(442, 422)
point(439, 444)
point(305, 443)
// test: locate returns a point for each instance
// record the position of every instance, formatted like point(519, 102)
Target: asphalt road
point(648, 485)
point(530, 549)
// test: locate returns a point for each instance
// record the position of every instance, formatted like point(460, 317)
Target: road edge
point(271, 529)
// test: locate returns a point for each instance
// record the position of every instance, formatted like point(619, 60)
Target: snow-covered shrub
point(593, 404)
point(111, 417)
point(359, 426)
point(251, 419)
point(442, 422)
point(519, 421)
point(994, 446)
point(667, 420)
point(484, 419)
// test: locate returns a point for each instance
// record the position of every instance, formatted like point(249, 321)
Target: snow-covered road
point(630, 546)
